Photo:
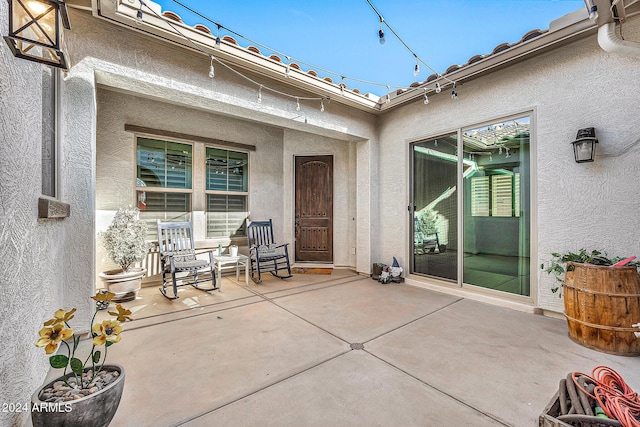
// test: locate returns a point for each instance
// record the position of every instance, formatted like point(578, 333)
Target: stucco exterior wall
point(344, 192)
point(169, 89)
point(116, 164)
point(591, 205)
point(41, 262)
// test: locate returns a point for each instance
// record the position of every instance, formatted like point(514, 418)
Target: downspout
point(609, 41)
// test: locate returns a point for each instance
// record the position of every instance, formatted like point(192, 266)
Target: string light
point(342, 86)
point(218, 35)
point(267, 48)
point(212, 71)
point(139, 14)
point(426, 98)
point(213, 58)
point(287, 71)
point(454, 94)
point(381, 32)
point(418, 59)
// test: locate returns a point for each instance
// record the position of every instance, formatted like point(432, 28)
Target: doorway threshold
point(311, 268)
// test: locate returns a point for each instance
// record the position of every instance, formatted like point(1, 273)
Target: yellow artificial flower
point(108, 330)
point(61, 317)
point(103, 297)
point(50, 336)
point(122, 315)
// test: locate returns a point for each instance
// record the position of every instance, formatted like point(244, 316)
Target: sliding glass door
point(435, 216)
point(491, 165)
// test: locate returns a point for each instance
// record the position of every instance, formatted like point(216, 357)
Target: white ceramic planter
point(124, 285)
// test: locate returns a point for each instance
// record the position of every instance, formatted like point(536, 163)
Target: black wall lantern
point(584, 147)
point(34, 30)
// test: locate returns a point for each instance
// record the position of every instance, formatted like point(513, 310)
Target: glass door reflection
point(496, 209)
point(435, 214)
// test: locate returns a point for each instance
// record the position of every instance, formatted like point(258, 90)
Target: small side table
point(228, 261)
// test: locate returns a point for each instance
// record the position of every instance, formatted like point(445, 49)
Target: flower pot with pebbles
point(63, 403)
point(88, 392)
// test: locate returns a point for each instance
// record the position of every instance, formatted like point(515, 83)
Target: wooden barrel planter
point(600, 304)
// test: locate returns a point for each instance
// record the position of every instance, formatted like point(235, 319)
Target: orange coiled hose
point(613, 395)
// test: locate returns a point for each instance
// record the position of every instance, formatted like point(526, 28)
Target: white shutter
point(516, 194)
point(480, 196)
point(501, 195)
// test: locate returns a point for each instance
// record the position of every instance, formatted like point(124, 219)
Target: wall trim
point(185, 136)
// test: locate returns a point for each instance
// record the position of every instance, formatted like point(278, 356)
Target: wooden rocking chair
point(264, 254)
point(178, 255)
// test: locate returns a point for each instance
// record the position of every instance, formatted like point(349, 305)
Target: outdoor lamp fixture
point(34, 30)
point(584, 147)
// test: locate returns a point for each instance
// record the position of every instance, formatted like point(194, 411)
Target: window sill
point(49, 208)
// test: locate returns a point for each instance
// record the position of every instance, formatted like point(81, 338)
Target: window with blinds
point(163, 181)
point(496, 195)
point(227, 192)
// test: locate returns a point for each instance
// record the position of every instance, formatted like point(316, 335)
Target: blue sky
point(341, 36)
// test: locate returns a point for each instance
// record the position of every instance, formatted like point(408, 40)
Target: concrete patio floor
point(341, 350)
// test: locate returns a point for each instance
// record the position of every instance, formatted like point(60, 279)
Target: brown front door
point(314, 208)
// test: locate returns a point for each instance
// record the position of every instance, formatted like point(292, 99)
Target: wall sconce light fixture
point(34, 30)
point(584, 147)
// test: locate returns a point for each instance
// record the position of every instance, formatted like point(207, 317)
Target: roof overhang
point(123, 13)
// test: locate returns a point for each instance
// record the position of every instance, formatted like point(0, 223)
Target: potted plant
point(125, 242)
point(601, 299)
point(88, 392)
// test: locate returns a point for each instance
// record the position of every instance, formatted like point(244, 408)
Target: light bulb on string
point(426, 98)
point(287, 72)
point(322, 105)
point(381, 33)
point(416, 69)
point(454, 94)
point(438, 88)
point(212, 71)
point(139, 15)
point(388, 98)
point(218, 36)
point(435, 143)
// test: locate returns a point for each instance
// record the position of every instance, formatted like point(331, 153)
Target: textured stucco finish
point(344, 193)
point(52, 264)
point(42, 266)
point(168, 88)
point(578, 205)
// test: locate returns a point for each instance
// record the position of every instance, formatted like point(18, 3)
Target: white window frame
point(224, 192)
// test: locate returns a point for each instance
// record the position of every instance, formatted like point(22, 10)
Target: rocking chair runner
point(264, 254)
point(178, 255)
